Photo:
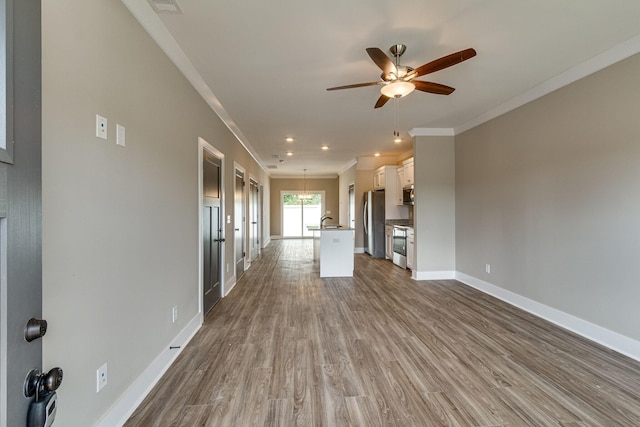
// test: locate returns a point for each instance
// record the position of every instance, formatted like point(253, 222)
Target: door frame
point(243, 226)
point(204, 145)
point(258, 213)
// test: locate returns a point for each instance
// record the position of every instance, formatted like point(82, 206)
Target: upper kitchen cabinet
point(407, 172)
point(386, 178)
point(378, 178)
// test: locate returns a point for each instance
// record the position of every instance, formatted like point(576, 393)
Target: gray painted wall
point(120, 225)
point(434, 210)
point(548, 195)
point(328, 185)
point(346, 179)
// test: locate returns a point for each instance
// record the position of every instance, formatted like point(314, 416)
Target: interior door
point(20, 203)
point(352, 206)
point(254, 241)
point(212, 240)
point(239, 223)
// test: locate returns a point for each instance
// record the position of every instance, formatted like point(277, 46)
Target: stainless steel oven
point(400, 246)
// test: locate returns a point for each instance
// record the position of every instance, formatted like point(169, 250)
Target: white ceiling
point(264, 66)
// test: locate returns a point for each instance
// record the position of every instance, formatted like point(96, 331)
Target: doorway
point(212, 233)
point(352, 206)
point(301, 210)
point(239, 222)
point(254, 213)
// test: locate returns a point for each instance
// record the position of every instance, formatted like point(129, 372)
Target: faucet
point(323, 218)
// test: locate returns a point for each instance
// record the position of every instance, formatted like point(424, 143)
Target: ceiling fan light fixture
point(397, 89)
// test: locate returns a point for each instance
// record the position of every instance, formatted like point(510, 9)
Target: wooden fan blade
point(381, 101)
point(444, 62)
point(355, 85)
point(382, 61)
point(430, 87)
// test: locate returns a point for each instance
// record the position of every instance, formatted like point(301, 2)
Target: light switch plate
point(120, 140)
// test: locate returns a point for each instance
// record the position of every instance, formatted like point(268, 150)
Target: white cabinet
point(378, 178)
point(399, 185)
point(411, 250)
point(407, 172)
point(388, 247)
point(336, 252)
point(388, 177)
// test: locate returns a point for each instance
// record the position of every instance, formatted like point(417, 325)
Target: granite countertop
point(405, 222)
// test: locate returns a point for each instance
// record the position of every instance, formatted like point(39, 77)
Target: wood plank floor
point(286, 348)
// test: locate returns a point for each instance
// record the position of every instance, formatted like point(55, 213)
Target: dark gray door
point(20, 204)
point(253, 220)
point(239, 223)
point(211, 232)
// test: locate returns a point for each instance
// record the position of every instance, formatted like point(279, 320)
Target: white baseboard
point(120, 412)
point(433, 275)
point(275, 237)
point(229, 285)
point(613, 340)
point(358, 251)
point(266, 242)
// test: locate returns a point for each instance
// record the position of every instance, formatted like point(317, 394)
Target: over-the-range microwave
point(407, 195)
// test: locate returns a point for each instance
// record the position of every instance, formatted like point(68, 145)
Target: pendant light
point(304, 195)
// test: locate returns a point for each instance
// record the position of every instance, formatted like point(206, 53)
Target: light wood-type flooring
point(286, 348)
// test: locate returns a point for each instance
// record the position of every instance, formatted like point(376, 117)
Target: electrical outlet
point(174, 314)
point(487, 268)
point(101, 377)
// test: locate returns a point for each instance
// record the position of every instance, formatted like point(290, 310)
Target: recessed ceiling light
point(288, 139)
point(397, 140)
point(289, 153)
point(325, 147)
point(377, 154)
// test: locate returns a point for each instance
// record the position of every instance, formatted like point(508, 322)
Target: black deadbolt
point(36, 328)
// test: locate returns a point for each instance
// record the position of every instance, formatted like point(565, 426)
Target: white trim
point(348, 166)
point(244, 224)
point(266, 242)
point(275, 237)
point(204, 145)
point(433, 275)
point(613, 340)
point(231, 283)
point(431, 132)
point(127, 403)
point(358, 250)
point(609, 57)
point(150, 21)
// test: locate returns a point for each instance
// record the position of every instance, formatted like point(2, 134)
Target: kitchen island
point(334, 246)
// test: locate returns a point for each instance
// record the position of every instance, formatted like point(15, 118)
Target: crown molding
point(153, 25)
point(431, 132)
point(599, 62)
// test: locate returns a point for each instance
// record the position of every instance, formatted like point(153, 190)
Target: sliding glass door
point(300, 211)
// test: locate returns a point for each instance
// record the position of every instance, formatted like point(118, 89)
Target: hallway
point(288, 348)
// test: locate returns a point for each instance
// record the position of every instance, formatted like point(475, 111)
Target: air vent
point(272, 166)
point(166, 6)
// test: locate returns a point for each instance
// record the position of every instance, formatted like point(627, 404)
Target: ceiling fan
point(398, 80)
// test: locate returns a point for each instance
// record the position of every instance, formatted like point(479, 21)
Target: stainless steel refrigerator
point(373, 221)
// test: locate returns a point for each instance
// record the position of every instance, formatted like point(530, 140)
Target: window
point(299, 212)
